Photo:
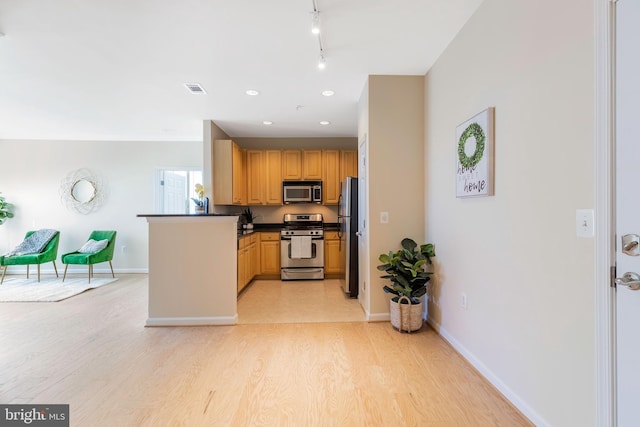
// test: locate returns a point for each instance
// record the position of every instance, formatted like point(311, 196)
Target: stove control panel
point(302, 232)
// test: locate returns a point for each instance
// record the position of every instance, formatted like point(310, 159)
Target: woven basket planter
point(406, 317)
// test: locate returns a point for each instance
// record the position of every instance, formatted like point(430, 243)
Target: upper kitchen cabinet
point(311, 164)
point(264, 177)
point(291, 164)
point(255, 177)
point(348, 163)
point(229, 165)
point(301, 165)
point(330, 176)
point(273, 184)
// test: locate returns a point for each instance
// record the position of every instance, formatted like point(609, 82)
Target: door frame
point(604, 152)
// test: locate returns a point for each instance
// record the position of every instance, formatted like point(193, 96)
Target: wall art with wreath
point(474, 155)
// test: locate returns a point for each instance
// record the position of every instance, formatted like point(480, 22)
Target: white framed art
point(474, 155)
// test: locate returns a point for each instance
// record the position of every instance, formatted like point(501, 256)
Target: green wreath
point(476, 131)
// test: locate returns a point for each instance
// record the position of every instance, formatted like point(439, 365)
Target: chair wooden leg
point(27, 271)
point(111, 265)
point(4, 271)
point(38, 273)
point(90, 273)
point(55, 268)
point(65, 271)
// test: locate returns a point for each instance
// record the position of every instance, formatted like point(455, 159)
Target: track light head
point(322, 62)
point(315, 22)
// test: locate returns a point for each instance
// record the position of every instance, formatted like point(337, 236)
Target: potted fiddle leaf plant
point(406, 270)
point(5, 210)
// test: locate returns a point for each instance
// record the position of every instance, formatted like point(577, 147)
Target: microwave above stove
point(301, 192)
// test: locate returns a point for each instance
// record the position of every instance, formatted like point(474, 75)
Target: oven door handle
point(303, 270)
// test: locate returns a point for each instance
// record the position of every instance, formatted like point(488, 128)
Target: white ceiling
point(114, 69)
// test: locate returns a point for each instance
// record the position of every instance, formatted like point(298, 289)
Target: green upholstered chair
point(104, 255)
point(49, 253)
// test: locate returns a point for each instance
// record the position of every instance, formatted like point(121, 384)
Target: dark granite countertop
point(185, 215)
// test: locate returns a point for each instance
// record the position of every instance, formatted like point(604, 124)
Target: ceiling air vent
point(195, 88)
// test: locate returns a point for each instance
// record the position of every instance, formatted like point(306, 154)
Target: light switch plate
point(384, 217)
point(584, 223)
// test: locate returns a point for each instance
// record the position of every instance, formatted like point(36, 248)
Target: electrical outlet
point(384, 217)
point(463, 300)
point(123, 249)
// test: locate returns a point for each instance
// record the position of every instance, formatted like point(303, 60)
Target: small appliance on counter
point(348, 220)
point(301, 192)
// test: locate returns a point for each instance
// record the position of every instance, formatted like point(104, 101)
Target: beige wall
point(529, 326)
point(30, 178)
point(395, 180)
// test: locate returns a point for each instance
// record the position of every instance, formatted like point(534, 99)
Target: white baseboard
point(191, 321)
point(522, 406)
point(80, 269)
point(378, 317)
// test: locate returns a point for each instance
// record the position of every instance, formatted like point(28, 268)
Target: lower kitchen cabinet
point(332, 254)
point(243, 263)
point(254, 255)
point(270, 253)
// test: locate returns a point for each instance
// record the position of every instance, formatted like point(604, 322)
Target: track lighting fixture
point(322, 63)
point(315, 29)
point(315, 22)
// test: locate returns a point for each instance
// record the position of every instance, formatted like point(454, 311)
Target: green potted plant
point(247, 218)
point(406, 269)
point(5, 210)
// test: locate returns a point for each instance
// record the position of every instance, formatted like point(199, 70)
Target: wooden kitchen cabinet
point(229, 164)
point(332, 254)
point(330, 177)
point(273, 173)
point(302, 164)
point(348, 163)
point(243, 256)
point(254, 255)
point(264, 177)
point(248, 259)
point(255, 177)
point(270, 253)
point(311, 164)
point(291, 164)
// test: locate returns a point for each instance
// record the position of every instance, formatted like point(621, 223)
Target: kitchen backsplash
point(274, 214)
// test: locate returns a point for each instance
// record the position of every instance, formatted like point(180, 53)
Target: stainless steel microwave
point(301, 192)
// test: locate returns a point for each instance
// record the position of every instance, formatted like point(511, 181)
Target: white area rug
point(51, 289)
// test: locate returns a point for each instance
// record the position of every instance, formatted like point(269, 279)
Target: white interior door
point(627, 210)
point(363, 246)
point(174, 192)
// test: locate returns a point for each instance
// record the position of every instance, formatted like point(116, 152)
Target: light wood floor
point(93, 352)
point(275, 301)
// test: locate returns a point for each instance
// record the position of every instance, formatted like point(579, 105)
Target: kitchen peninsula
point(192, 272)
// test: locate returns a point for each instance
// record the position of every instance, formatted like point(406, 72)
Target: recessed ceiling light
point(328, 93)
point(195, 88)
point(324, 123)
point(267, 122)
point(252, 92)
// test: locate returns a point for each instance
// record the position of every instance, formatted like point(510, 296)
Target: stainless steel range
point(302, 247)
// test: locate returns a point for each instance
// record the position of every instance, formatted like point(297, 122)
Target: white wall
point(529, 326)
point(394, 129)
point(30, 178)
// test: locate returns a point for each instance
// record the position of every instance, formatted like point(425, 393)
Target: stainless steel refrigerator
point(348, 219)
